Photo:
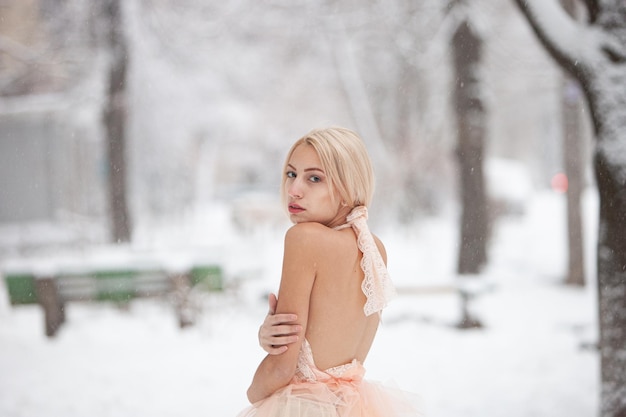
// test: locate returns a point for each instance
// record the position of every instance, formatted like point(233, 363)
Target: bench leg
point(182, 302)
point(50, 301)
point(468, 321)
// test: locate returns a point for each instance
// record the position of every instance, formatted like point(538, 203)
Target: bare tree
point(471, 127)
point(572, 158)
point(594, 53)
point(115, 120)
point(572, 108)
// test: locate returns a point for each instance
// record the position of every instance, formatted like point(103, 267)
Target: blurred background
point(149, 135)
point(215, 94)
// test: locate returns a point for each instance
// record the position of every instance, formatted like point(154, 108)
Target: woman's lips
point(295, 209)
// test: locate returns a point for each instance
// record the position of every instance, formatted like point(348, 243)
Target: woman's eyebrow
point(307, 169)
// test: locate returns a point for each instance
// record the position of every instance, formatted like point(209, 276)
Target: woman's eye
point(291, 174)
point(315, 178)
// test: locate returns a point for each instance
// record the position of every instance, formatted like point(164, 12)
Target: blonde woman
point(333, 287)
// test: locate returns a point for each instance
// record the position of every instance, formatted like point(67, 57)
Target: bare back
point(338, 330)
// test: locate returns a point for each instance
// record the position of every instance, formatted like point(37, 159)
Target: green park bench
point(117, 285)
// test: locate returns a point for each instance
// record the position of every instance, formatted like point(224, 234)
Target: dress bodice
point(307, 371)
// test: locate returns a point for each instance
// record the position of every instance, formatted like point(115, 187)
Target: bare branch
point(555, 29)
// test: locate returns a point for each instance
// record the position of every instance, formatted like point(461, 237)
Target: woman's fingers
point(286, 330)
point(279, 344)
point(274, 339)
point(284, 340)
point(278, 330)
point(279, 319)
point(279, 335)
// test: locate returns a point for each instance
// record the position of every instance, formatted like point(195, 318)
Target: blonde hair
point(345, 161)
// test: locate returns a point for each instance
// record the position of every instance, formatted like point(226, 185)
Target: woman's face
point(309, 197)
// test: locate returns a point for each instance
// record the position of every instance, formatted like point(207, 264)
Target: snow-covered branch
point(572, 45)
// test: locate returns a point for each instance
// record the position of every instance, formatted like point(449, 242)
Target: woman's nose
point(294, 190)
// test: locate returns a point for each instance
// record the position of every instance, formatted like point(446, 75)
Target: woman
point(335, 284)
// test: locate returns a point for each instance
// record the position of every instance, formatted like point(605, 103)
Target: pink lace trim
point(376, 285)
point(307, 371)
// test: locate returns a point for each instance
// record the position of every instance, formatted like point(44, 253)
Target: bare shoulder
point(309, 237)
point(316, 239)
point(306, 233)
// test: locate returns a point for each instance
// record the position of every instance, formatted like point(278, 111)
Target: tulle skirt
point(335, 398)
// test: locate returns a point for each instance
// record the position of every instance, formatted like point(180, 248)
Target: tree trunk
point(470, 115)
point(600, 68)
point(115, 123)
point(572, 151)
point(611, 180)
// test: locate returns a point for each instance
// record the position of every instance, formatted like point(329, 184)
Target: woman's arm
point(298, 275)
point(278, 330)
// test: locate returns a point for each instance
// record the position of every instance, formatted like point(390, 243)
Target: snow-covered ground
point(534, 356)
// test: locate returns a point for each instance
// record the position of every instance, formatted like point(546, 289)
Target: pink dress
point(341, 391)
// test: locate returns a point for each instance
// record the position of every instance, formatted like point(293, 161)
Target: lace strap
point(376, 285)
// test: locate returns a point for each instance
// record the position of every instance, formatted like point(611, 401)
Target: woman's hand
point(278, 330)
